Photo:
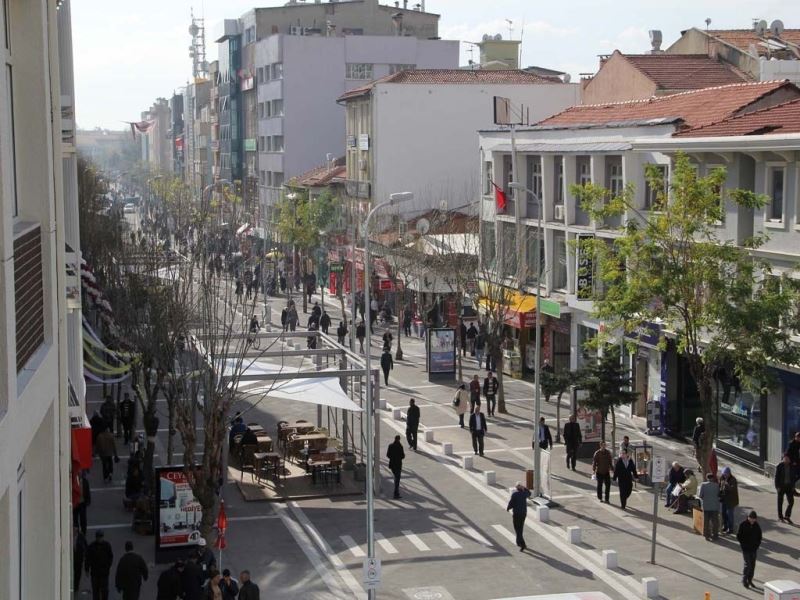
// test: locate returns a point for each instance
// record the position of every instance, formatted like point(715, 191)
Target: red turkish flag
point(499, 197)
point(222, 525)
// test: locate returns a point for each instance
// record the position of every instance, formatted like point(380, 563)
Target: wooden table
point(264, 442)
point(271, 457)
point(301, 427)
point(255, 427)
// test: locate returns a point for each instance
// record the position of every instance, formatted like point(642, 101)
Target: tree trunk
point(501, 396)
point(398, 355)
point(613, 431)
point(558, 417)
point(704, 382)
point(603, 426)
point(171, 427)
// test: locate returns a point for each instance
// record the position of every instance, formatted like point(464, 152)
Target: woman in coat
point(729, 497)
point(624, 474)
point(460, 403)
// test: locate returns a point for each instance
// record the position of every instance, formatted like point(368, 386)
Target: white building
point(416, 131)
point(38, 219)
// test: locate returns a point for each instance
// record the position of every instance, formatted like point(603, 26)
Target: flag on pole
point(222, 525)
point(499, 197)
point(140, 126)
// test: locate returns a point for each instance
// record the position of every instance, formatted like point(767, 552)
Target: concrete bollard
point(428, 435)
point(650, 587)
point(543, 514)
point(574, 534)
point(448, 448)
point(397, 414)
point(467, 462)
point(610, 559)
point(382, 404)
point(489, 477)
point(290, 343)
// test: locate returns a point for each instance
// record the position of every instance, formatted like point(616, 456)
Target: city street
point(450, 535)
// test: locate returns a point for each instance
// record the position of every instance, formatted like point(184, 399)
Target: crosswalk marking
point(505, 533)
point(354, 548)
point(477, 536)
point(447, 539)
point(416, 541)
point(385, 544)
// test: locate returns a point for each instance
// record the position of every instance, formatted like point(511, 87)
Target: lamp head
point(400, 197)
point(515, 185)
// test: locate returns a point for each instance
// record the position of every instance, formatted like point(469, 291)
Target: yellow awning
point(520, 308)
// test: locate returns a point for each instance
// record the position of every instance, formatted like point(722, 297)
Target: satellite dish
point(423, 226)
point(761, 27)
point(498, 37)
point(776, 28)
point(485, 37)
point(193, 30)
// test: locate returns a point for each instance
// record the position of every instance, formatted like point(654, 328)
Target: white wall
point(425, 137)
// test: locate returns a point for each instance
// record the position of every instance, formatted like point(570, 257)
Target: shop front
point(644, 362)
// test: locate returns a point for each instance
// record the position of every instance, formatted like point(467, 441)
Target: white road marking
point(416, 541)
point(505, 533)
point(254, 518)
point(111, 526)
point(385, 544)
point(354, 548)
point(447, 539)
point(475, 535)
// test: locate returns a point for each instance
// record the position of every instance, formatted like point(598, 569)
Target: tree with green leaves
point(720, 302)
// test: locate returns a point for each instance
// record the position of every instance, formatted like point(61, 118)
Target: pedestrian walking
point(387, 364)
point(396, 454)
point(361, 333)
point(84, 500)
point(192, 579)
point(474, 393)
point(572, 440)
point(205, 558)
point(729, 499)
point(78, 556)
point(490, 387)
point(544, 437)
point(624, 474)
point(99, 558)
point(169, 585)
point(784, 484)
point(601, 467)
point(108, 411)
point(480, 346)
point(625, 445)
point(407, 316)
point(749, 536)
point(793, 450)
point(460, 402)
point(388, 339)
point(709, 500)
point(127, 416)
point(325, 322)
point(697, 437)
point(477, 427)
point(228, 586)
point(472, 333)
point(239, 290)
point(284, 318)
point(412, 424)
point(107, 451)
point(518, 505)
point(131, 572)
point(291, 317)
point(247, 589)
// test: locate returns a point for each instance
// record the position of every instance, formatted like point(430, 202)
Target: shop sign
point(178, 511)
point(363, 141)
point(471, 286)
point(584, 273)
point(646, 333)
point(385, 284)
point(550, 307)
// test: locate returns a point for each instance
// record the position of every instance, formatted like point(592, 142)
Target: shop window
point(739, 416)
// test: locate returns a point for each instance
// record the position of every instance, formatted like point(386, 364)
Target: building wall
point(694, 41)
point(616, 81)
point(425, 137)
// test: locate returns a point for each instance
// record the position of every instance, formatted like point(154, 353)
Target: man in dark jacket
point(697, 435)
point(572, 440)
point(749, 536)
point(325, 322)
point(228, 586)
point(99, 558)
point(127, 416)
point(247, 589)
point(472, 333)
point(79, 510)
point(108, 411)
point(477, 427)
point(602, 463)
point(192, 580)
point(361, 333)
point(341, 332)
point(490, 387)
point(544, 437)
point(170, 584)
point(784, 484)
point(78, 556)
point(518, 504)
point(387, 364)
point(395, 454)
point(412, 424)
point(131, 571)
point(793, 450)
point(205, 557)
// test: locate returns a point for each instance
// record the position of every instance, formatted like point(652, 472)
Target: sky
point(127, 54)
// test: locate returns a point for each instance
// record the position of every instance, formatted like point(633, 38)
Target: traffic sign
point(659, 469)
point(549, 307)
point(372, 571)
point(336, 267)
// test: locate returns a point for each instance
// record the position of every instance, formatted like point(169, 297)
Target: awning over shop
point(520, 309)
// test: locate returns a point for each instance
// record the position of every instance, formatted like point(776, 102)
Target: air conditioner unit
point(362, 164)
point(559, 212)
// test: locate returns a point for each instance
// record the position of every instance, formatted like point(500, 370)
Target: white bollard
point(650, 587)
point(448, 448)
point(489, 477)
point(397, 414)
point(290, 343)
point(610, 559)
point(381, 403)
point(574, 534)
point(428, 435)
point(467, 462)
point(543, 514)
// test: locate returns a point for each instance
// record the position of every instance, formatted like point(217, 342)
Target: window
point(262, 177)
point(559, 266)
point(559, 179)
point(277, 108)
point(358, 71)
point(720, 190)
point(530, 255)
point(534, 185)
point(775, 183)
point(488, 246)
point(509, 244)
point(487, 185)
point(584, 170)
point(277, 179)
point(400, 67)
point(615, 182)
point(261, 110)
point(8, 117)
point(277, 71)
point(652, 201)
point(249, 35)
point(277, 143)
point(262, 143)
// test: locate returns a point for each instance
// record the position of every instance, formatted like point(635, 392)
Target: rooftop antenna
point(521, 33)
point(510, 28)
point(197, 51)
point(708, 40)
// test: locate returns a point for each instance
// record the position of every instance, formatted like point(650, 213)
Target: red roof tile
point(743, 38)
point(684, 71)
point(457, 76)
point(694, 108)
point(321, 175)
point(782, 118)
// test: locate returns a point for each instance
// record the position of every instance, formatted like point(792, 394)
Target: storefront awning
point(520, 311)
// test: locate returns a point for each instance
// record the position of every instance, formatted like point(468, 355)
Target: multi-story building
point(177, 132)
point(42, 349)
point(610, 145)
point(416, 131)
point(157, 143)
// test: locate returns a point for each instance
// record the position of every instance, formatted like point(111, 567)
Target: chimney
point(405, 4)
point(655, 41)
point(397, 19)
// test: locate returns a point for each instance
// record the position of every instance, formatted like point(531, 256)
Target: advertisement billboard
point(441, 351)
point(178, 512)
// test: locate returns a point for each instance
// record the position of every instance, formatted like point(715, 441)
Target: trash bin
point(781, 589)
point(360, 472)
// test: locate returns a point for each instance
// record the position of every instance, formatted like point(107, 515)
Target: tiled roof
point(782, 118)
point(694, 108)
point(684, 71)
point(742, 38)
point(321, 175)
point(458, 76)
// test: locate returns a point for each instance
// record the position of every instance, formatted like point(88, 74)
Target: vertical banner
point(178, 512)
point(442, 353)
point(584, 272)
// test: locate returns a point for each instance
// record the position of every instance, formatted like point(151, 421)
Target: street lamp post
point(394, 199)
point(537, 450)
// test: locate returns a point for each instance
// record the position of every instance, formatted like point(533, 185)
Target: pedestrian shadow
point(559, 565)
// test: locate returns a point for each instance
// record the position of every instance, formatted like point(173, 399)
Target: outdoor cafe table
point(301, 427)
point(262, 457)
point(264, 442)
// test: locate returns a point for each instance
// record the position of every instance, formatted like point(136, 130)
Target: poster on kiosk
point(442, 354)
point(178, 513)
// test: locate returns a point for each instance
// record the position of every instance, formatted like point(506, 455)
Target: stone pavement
point(450, 536)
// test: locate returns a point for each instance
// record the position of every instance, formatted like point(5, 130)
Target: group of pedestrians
point(97, 558)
